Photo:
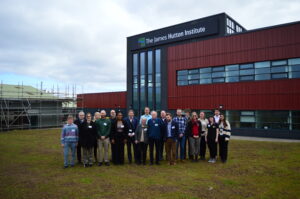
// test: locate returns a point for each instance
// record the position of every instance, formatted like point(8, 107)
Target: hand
point(180, 135)
point(102, 137)
point(112, 141)
point(136, 141)
point(205, 139)
point(62, 145)
point(216, 140)
point(125, 141)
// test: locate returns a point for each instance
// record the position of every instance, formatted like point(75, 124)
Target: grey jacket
point(138, 133)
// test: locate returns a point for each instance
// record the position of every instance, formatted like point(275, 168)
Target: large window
point(266, 70)
point(158, 79)
point(135, 88)
point(143, 80)
point(150, 79)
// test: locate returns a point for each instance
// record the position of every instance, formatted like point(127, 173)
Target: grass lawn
point(31, 164)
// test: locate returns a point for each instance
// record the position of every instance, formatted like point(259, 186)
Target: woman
point(204, 123)
point(89, 137)
point(118, 139)
point(141, 139)
point(224, 135)
point(212, 138)
point(193, 131)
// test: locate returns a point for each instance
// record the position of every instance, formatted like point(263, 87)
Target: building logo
point(142, 42)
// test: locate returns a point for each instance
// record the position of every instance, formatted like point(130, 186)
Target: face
point(194, 116)
point(168, 117)
point(179, 112)
point(202, 115)
point(211, 119)
point(217, 112)
point(147, 111)
point(70, 120)
point(144, 121)
point(130, 114)
point(81, 116)
point(97, 115)
point(163, 114)
point(222, 117)
point(103, 114)
point(154, 115)
point(88, 117)
point(113, 113)
point(187, 114)
point(119, 116)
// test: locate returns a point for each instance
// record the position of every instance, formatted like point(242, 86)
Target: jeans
point(194, 146)
point(67, 146)
point(181, 144)
point(156, 143)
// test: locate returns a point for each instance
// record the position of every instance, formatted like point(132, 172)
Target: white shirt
point(217, 118)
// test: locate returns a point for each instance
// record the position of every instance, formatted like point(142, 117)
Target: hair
point(70, 117)
point(88, 114)
point(203, 113)
point(224, 121)
point(194, 113)
point(130, 110)
point(212, 118)
point(169, 114)
point(146, 107)
point(81, 112)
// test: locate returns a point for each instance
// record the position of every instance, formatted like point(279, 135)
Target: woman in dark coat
point(119, 132)
point(87, 141)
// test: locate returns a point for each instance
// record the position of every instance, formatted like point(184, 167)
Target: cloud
point(84, 42)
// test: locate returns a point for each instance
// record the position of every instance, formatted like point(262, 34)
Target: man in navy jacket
point(132, 123)
point(170, 137)
point(155, 130)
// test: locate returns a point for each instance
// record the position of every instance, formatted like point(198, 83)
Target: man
point(217, 116)
point(69, 140)
point(103, 129)
point(181, 121)
point(80, 124)
point(132, 123)
point(96, 117)
point(155, 127)
point(163, 118)
point(187, 146)
point(170, 137)
point(112, 119)
point(146, 115)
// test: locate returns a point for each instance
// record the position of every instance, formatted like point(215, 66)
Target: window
point(150, 80)
point(294, 61)
point(263, 77)
point(246, 66)
point(216, 69)
point(247, 72)
point(232, 79)
point(142, 80)
point(205, 81)
point(272, 119)
point(194, 71)
point(195, 76)
point(247, 78)
point(262, 64)
point(279, 63)
point(182, 72)
point(247, 119)
point(182, 77)
point(279, 75)
point(296, 120)
point(191, 82)
point(232, 73)
point(218, 80)
point(182, 83)
point(279, 69)
point(262, 70)
point(205, 75)
point(218, 74)
point(232, 67)
point(295, 68)
point(157, 79)
point(205, 70)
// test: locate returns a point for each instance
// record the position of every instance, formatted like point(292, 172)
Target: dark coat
point(88, 135)
point(174, 130)
point(80, 127)
point(189, 128)
point(115, 135)
point(132, 125)
point(138, 133)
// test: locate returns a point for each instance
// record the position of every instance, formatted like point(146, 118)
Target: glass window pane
point(142, 63)
point(193, 76)
point(157, 61)
point(296, 120)
point(247, 72)
point(135, 79)
point(232, 73)
point(142, 80)
point(262, 64)
point(247, 119)
point(232, 67)
point(135, 64)
point(182, 72)
point(246, 66)
point(157, 84)
point(295, 67)
point(279, 75)
point(232, 79)
point(205, 81)
point(157, 77)
point(150, 65)
point(262, 70)
point(194, 71)
point(193, 82)
point(150, 78)
point(279, 69)
point(263, 77)
point(295, 75)
point(182, 77)
point(294, 61)
point(218, 74)
point(218, 80)
point(205, 70)
point(272, 119)
point(182, 83)
point(158, 98)
point(150, 97)
point(247, 78)
point(279, 63)
point(216, 69)
point(205, 75)
point(247, 113)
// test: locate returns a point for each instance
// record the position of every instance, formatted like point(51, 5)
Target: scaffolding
point(27, 107)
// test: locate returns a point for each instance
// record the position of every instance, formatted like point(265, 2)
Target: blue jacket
point(69, 133)
point(174, 130)
point(132, 125)
point(155, 128)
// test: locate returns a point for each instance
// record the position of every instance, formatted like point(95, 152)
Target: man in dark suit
point(170, 137)
point(132, 123)
point(79, 122)
point(163, 118)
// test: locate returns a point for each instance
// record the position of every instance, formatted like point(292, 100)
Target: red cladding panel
point(102, 100)
point(269, 44)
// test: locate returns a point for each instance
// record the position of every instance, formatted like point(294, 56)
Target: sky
point(83, 43)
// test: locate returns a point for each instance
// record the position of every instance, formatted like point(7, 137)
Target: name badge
point(145, 129)
point(90, 127)
point(104, 124)
point(173, 127)
point(73, 130)
point(156, 124)
point(208, 125)
point(130, 130)
point(122, 126)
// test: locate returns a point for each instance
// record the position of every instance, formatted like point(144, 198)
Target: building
point(24, 107)
point(214, 62)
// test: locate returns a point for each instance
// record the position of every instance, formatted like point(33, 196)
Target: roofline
point(101, 92)
point(222, 13)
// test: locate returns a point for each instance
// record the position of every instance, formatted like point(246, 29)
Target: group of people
point(96, 136)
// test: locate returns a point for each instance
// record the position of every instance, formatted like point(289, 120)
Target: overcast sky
point(84, 42)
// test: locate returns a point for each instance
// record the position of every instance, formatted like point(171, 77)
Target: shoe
point(210, 160)
point(144, 163)
point(157, 163)
point(79, 162)
point(107, 164)
point(66, 167)
point(100, 164)
point(151, 163)
point(213, 161)
point(90, 165)
point(224, 161)
point(85, 165)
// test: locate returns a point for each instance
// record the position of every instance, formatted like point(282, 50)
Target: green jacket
point(103, 127)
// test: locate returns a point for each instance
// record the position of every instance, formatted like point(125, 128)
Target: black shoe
point(144, 163)
point(157, 163)
point(90, 165)
point(85, 165)
point(100, 164)
point(107, 164)
point(224, 161)
point(66, 167)
point(72, 165)
point(151, 163)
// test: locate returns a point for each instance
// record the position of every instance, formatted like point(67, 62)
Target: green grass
point(31, 167)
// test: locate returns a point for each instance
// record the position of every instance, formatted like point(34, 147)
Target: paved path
point(234, 137)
